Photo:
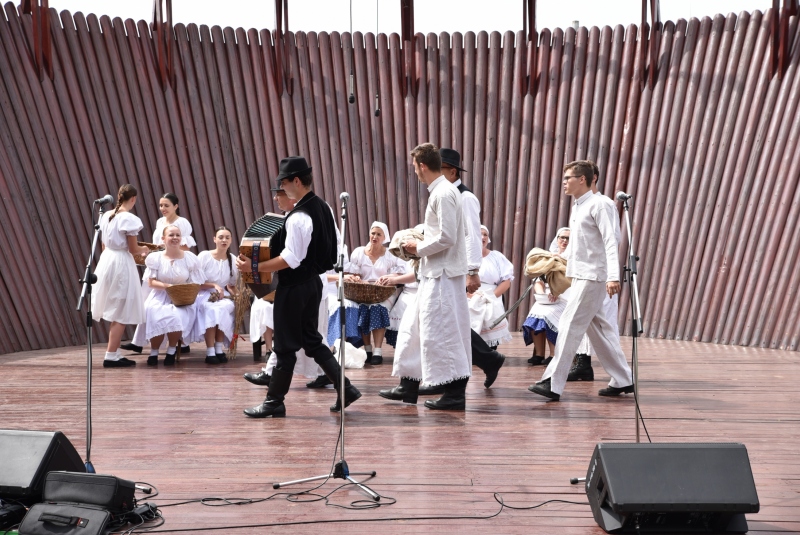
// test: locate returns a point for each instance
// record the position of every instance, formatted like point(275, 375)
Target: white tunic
point(162, 316)
point(219, 313)
point(116, 295)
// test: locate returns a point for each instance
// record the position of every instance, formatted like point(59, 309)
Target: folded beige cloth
point(400, 238)
point(553, 268)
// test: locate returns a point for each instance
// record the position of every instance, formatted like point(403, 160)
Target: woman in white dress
point(366, 324)
point(486, 304)
point(541, 325)
point(406, 297)
point(169, 267)
point(215, 318)
point(170, 215)
point(116, 296)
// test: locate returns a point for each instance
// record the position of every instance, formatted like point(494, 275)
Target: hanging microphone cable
point(377, 94)
point(352, 98)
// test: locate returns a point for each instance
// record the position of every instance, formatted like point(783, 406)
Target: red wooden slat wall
point(711, 152)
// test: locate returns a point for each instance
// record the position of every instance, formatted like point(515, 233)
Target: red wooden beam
point(165, 42)
point(528, 82)
point(780, 40)
point(410, 74)
point(42, 47)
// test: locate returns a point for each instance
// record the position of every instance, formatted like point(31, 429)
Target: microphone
point(345, 198)
point(622, 196)
point(104, 200)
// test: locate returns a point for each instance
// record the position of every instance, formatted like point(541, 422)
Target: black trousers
point(483, 356)
point(296, 320)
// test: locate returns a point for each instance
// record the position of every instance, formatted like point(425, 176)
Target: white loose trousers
point(585, 314)
point(433, 343)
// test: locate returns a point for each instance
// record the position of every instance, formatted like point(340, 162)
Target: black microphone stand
point(89, 278)
point(636, 314)
point(340, 469)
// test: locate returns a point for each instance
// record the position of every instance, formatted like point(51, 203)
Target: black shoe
point(369, 358)
point(121, 363)
point(611, 391)
point(152, 360)
point(212, 360)
point(222, 358)
point(543, 389)
point(320, 382)
point(546, 361)
point(351, 394)
point(491, 374)
point(453, 399)
point(407, 391)
point(269, 409)
point(332, 370)
point(428, 390)
point(169, 360)
point(376, 359)
point(535, 360)
point(260, 378)
point(581, 369)
point(131, 347)
point(185, 349)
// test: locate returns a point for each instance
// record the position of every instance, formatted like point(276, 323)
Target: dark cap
point(291, 167)
point(452, 158)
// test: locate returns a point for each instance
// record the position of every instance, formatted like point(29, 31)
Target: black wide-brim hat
point(291, 167)
point(452, 158)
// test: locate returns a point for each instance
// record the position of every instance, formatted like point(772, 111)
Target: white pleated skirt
point(117, 295)
point(163, 317)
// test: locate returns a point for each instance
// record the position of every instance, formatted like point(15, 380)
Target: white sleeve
point(298, 235)
point(504, 267)
point(186, 232)
point(471, 209)
point(445, 208)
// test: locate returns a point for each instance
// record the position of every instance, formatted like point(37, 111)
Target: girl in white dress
point(169, 267)
point(406, 297)
point(116, 296)
point(486, 304)
point(366, 324)
point(170, 212)
point(215, 319)
point(541, 325)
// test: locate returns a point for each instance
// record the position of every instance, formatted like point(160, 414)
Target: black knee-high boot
point(332, 370)
point(257, 350)
point(273, 406)
point(407, 391)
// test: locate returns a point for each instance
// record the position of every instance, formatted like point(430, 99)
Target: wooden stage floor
point(182, 430)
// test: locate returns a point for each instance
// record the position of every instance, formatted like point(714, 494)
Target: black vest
point(462, 188)
point(321, 254)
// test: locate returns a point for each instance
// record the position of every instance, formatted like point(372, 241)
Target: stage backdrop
point(710, 152)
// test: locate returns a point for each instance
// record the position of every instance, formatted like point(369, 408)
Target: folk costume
point(592, 261)
point(219, 313)
point(307, 243)
point(484, 306)
point(140, 338)
point(116, 296)
point(433, 343)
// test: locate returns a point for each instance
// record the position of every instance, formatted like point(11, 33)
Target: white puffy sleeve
point(504, 267)
point(129, 224)
point(186, 232)
point(153, 262)
point(196, 273)
point(356, 259)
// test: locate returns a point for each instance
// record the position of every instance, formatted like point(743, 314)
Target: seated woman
point(368, 264)
point(541, 325)
point(215, 317)
point(486, 304)
point(167, 268)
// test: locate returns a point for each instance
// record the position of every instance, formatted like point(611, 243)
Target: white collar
point(436, 183)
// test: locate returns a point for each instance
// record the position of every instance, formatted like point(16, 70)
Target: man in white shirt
point(433, 344)
point(582, 365)
point(302, 250)
point(593, 266)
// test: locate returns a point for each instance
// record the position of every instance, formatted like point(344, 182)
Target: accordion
point(255, 246)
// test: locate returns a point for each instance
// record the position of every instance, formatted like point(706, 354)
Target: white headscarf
point(386, 236)
point(554, 243)
point(484, 227)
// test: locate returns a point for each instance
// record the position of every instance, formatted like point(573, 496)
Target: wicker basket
point(139, 258)
point(183, 294)
point(366, 293)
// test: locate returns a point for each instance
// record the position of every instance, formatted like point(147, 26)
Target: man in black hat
point(303, 249)
point(483, 356)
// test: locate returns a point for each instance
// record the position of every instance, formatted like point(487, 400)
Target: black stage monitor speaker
point(635, 488)
point(27, 456)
